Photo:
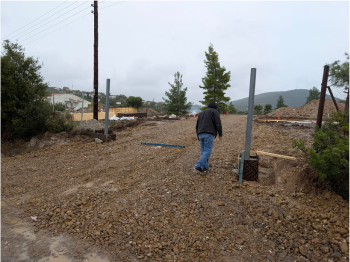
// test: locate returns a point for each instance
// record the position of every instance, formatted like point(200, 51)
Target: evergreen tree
point(177, 100)
point(314, 94)
point(231, 108)
point(280, 102)
point(267, 108)
point(216, 81)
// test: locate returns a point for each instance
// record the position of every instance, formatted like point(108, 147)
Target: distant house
point(112, 96)
point(65, 88)
point(69, 100)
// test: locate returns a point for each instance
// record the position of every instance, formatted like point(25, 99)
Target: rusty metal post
point(335, 102)
point(322, 96)
point(96, 60)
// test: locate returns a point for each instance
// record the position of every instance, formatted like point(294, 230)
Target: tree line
point(26, 113)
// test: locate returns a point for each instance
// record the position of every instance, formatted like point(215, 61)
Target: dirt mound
point(92, 124)
point(149, 111)
point(308, 111)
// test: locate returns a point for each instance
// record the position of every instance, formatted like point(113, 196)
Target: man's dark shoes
point(205, 170)
point(199, 169)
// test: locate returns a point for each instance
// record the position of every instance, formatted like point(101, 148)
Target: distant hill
point(292, 98)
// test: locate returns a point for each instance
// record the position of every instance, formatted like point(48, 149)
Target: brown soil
point(308, 111)
point(133, 202)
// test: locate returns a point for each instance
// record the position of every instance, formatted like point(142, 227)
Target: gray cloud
point(142, 44)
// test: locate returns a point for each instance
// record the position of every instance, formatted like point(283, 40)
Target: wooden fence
point(101, 115)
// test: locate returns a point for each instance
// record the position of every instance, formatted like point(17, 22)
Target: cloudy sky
point(143, 43)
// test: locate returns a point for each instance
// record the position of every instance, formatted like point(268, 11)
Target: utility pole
point(95, 59)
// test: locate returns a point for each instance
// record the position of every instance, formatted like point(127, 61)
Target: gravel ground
point(144, 203)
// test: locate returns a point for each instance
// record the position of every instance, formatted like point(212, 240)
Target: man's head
point(213, 105)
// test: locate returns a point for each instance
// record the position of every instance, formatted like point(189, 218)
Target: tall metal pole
point(322, 96)
point(248, 136)
point(82, 111)
point(96, 60)
point(107, 106)
point(53, 102)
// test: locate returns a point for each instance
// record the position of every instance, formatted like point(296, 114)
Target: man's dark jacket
point(209, 122)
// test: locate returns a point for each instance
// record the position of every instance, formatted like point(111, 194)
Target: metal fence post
point(248, 136)
point(107, 107)
point(322, 96)
point(53, 102)
point(82, 112)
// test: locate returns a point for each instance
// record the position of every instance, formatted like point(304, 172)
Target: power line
point(66, 24)
point(111, 5)
point(46, 23)
point(57, 29)
point(56, 24)
point(36, 19)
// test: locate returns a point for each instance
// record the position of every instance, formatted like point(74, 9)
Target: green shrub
point(57, 123)
point(30, 121)
point(68, 116)
point(60, 107)
point(24, 109)
point(330, 153)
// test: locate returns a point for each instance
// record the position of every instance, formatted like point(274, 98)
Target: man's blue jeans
point(206, 142)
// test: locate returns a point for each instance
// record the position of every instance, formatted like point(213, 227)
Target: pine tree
point(216, 81)
point(267, 108)
point(280, 102)
point(177, 100)
point(314, 94)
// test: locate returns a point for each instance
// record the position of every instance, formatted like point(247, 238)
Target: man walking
point(208, 125)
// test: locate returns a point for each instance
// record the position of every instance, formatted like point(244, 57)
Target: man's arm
point(218, 124)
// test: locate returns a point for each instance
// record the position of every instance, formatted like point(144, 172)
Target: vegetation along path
point(123, 201)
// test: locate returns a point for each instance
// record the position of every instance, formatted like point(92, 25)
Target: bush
point(60, 107)
point(31, 121)
point(68, 116)
point(330, 153)
point(57, 123)
point(24, 109)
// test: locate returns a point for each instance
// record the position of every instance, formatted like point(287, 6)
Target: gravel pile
point(92, 124)
point(308, 111)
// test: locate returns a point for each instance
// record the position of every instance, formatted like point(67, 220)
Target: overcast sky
point(142, 44)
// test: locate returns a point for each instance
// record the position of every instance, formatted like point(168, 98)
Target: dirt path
point(124, 201)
